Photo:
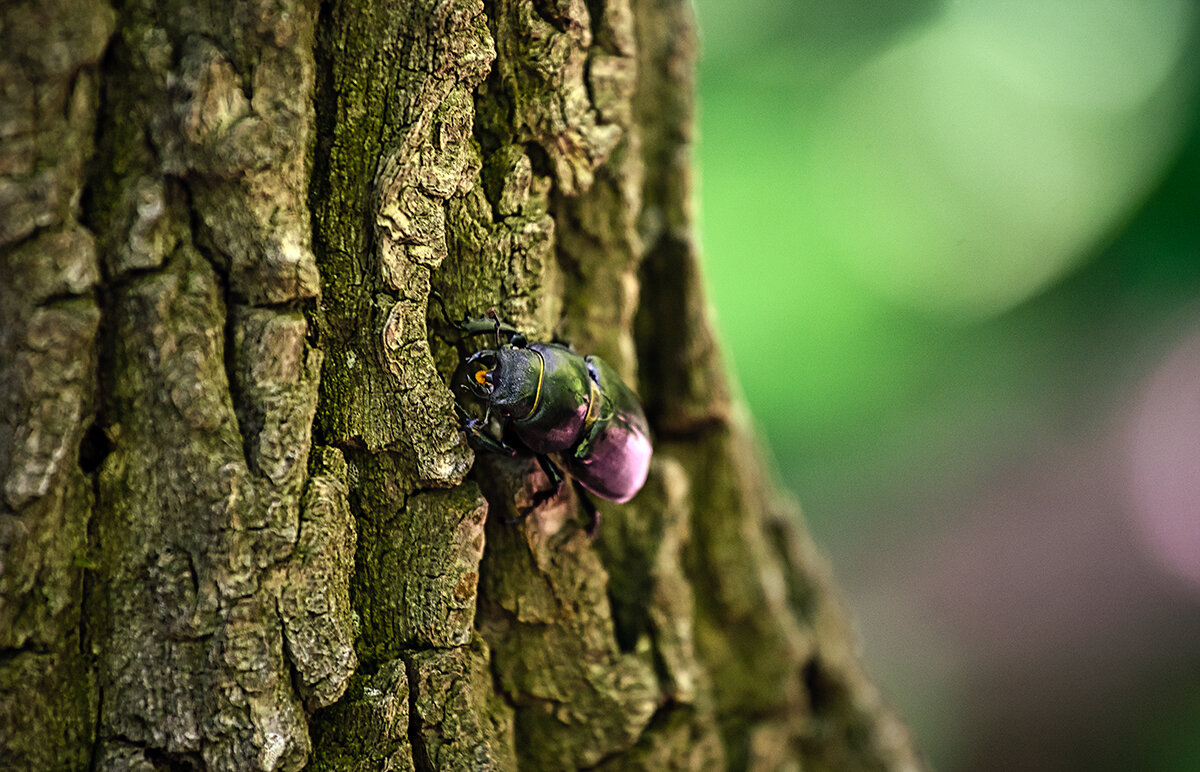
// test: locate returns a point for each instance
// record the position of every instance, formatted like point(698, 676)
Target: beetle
point(572, 413)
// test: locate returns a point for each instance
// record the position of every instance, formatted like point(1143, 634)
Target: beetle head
point(507, 380)
point(477, 375)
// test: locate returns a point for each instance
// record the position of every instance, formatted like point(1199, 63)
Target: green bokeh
point(929, 228)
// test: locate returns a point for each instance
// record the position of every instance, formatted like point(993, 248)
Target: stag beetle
point(553, 402)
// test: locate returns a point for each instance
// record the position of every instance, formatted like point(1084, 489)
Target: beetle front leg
point(488, 325)
point(477, 430)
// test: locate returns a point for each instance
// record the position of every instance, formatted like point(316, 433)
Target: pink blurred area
point(1162, 447)
point(1052, 611)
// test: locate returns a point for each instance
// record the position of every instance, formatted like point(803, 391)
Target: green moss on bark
point(368, 728)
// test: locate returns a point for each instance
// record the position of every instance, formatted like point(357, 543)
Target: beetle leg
point(470, 326)
point(556, 478)
point(585, 445)
point(473, 326)
point(599, 424)
point(476, 430)
point(550, 468)
point(589, 507)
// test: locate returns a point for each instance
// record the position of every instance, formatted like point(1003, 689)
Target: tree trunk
point(241, 529)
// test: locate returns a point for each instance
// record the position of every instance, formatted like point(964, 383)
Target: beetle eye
point(476, 375)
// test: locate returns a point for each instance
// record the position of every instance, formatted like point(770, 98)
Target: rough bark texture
point(240, 529)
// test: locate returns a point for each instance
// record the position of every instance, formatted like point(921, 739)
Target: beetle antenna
point(495, 317)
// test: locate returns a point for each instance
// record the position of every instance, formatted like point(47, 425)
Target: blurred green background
point(954, 253)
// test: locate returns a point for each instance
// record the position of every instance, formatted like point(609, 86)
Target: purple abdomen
point(618, 463)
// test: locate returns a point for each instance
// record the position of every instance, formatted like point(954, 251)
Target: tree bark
point(241, 529)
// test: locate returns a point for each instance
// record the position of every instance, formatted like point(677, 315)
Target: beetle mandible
point(573, 413)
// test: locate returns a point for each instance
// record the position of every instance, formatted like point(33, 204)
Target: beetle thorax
point(516, 382)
